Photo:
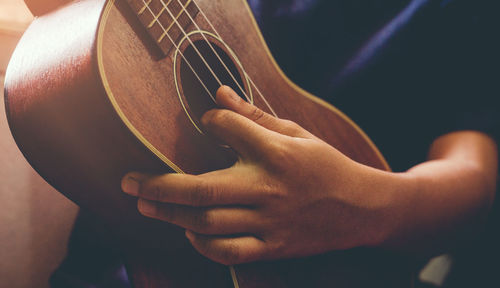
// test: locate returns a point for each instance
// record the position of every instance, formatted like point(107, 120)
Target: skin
point(293, 195)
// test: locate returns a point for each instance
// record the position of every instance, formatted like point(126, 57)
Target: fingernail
point(147, 208)
point(131, 185)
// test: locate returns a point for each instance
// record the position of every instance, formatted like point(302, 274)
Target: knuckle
point(272, 192)
point(157, 187)
point(157, 192)
point(292, 127)
point(256, 114)
point(280, 154)
point(286, 158)
point(152, 190)
point(208, 196)
point(194, 195)
point(289, 124)
point(202, 221)
point(202, 194)
point(215, 117)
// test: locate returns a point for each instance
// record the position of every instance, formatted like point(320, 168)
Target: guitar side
point(84, 108)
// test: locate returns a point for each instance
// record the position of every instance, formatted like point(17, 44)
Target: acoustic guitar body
point(93, 93)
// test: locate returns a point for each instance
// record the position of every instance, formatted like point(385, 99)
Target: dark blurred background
point(35, 220)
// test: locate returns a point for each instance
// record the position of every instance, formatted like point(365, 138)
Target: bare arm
point(293, 195)
point(445, 200)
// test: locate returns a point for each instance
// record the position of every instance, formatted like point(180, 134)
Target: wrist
point(393, 207)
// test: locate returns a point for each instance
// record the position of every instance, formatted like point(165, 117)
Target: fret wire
point(246, 74)
point(144, 7)
point(155, 18)
point(165, 33)
point(191, 42)
point(176, 18)
point(218, 56)
point(183, 57)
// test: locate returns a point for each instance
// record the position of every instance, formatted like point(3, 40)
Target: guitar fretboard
point(167, 21)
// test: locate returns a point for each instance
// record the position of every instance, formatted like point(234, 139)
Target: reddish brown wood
point(38, 7)
point(65, 124)
point(155, 10)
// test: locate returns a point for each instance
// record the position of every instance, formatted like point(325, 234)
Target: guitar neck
point(165, 20)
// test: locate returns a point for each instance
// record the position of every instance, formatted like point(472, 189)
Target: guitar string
point(213, 49)
point(199, 54)
point(180, 52)
point(189, 39)
point(246, 74)
point(231, 268)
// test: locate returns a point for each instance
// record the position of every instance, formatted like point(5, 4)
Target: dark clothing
point(93, 260)
point(405, 71)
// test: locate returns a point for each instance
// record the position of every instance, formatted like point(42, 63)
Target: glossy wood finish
point(39, 8)
point(88, 96)
point(35, 220)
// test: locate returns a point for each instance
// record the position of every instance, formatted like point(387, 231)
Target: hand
point(289, 195)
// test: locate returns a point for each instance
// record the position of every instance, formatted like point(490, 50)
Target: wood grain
point(35, 220)
point(39, 8)
point(88, 109)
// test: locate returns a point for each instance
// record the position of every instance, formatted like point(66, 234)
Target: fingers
point(228, 251)
point(209, 221)
point(243, 135)
point(229, 99)
point(246, 128)
point(212, 189)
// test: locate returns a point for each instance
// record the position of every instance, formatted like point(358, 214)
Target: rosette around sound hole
point(202, 67)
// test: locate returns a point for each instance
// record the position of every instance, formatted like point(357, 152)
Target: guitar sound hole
point(197, 98)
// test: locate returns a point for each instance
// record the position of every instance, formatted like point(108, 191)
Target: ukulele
point(98, 88)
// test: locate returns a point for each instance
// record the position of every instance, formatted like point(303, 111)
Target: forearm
point(441, 203)
point(293, 195)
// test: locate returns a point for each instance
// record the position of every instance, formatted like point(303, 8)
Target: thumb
point(227, 98)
